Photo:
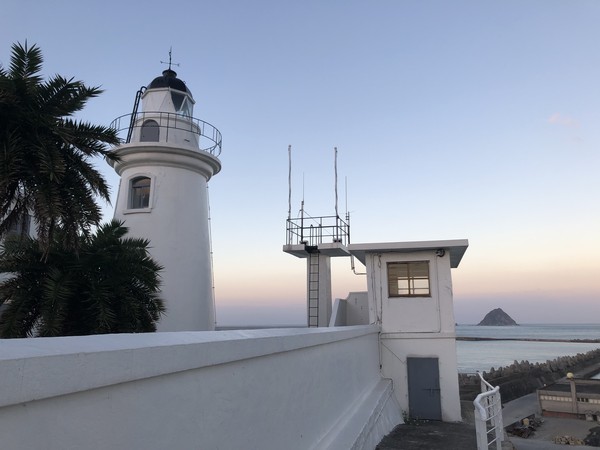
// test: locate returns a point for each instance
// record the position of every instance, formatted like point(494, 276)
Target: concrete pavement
point(431, 435)
point(551, 427)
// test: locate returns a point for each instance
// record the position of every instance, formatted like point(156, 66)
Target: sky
point(452, 119)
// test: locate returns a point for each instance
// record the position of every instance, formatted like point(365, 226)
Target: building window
point(408, 279)
point(139, 193)
point(150, 131)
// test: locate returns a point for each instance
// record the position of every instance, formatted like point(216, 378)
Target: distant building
point(573, 397)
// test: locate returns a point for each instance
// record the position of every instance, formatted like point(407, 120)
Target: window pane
point(419, 269)
point(421, 286)
point(140, 192)
point(407, 279)
point(177, 100)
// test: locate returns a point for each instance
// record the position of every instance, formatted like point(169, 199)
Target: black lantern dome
point(169, 79)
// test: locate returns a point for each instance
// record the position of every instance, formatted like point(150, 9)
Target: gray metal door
point(424, 388)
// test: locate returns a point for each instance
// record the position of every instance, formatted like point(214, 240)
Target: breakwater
point(521, 378)
point(475, 339)
point(579, 341)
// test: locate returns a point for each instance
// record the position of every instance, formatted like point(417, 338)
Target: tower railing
point(209, 137)
point(312, 231)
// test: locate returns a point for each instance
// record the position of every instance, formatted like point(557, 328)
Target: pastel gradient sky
point(453, 120)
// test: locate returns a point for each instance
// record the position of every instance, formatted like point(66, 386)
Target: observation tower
point(167, 159)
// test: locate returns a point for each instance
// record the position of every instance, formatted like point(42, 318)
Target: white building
point(166, 162)
point(410, 296)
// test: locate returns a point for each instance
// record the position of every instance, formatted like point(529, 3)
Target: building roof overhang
point(455, 247)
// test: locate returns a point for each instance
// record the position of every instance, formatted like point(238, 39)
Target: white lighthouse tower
point(166, 162)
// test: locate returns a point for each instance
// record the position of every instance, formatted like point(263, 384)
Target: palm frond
point(41, 146)
point(25, 63)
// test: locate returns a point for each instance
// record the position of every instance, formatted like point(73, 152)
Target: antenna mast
point(289, 182)
point(302, 203)
point(346, 195)
point(336, 181)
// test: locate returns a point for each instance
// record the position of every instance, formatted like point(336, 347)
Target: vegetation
point(45, 168)
point(109, 286)
point(70, 279)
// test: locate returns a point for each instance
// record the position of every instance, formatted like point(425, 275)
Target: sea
point(483, 355)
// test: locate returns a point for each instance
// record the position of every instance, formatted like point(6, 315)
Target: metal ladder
point(313, 287)
point(136, 104)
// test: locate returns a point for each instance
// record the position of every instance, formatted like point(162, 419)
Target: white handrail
point(488, 417)
point(483, 414)
point(489, 386)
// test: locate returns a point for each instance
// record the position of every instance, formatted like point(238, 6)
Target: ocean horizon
point(483, 355)
point(473, 356)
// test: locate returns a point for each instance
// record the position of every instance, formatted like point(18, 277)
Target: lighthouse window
point(181, 103)
point(408, 279)
point(150, 131)
point(186, 108)
point(177, 100)
point(140, 193)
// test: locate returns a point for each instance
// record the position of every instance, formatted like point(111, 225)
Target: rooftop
point(456, 248)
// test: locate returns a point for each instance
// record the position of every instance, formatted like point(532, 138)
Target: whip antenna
point(346, 194)
point(303, 189)
point(336, 181)
point(289, 181)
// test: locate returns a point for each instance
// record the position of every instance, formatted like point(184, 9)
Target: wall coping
point(37, 368)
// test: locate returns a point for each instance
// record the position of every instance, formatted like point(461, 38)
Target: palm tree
point(45, 154)
point(110, 286)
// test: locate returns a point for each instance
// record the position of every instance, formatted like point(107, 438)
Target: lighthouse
point(165, 164)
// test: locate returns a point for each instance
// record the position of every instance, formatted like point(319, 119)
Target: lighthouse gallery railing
point(209, 136)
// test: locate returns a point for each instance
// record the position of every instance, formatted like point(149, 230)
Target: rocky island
point(497, 317)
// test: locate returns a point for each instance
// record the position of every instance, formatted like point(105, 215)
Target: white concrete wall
point(175, 129)
point(352, 310)
point(396, 348)
point(176, 223)
point(260, 389)
point(434, 314)
point(416, 326)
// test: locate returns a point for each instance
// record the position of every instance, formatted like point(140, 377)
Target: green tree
point(110, 286)
point(45, 155)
